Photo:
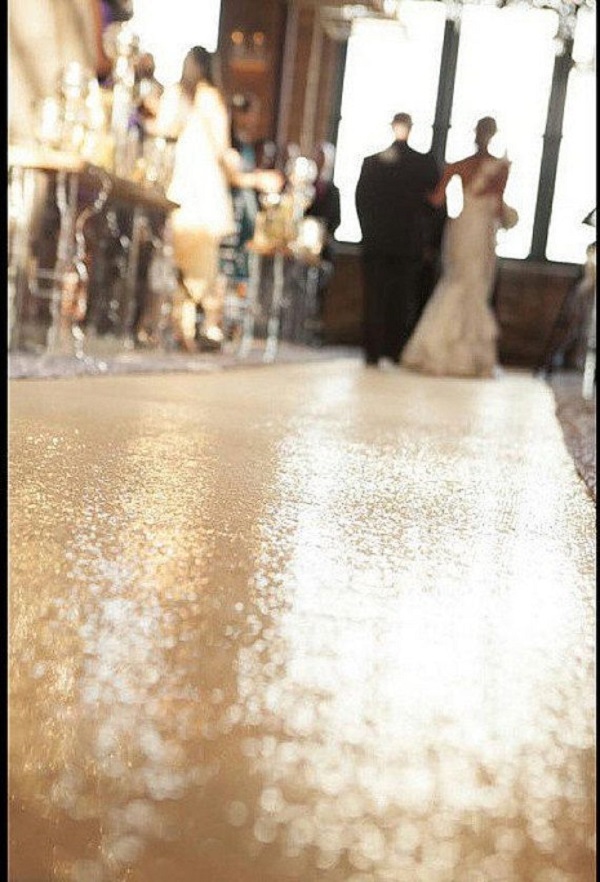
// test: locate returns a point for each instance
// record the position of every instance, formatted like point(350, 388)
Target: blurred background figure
point(117, 10)
point(235, 266)
point(567, 345)
point(195, 113)
point(149, 89)
point(325, 206)
point(245, 118)
point(326, 202)
point(245, 122)
point(457, 333)
point(146, 95)
point(266, 154)
point(290, 153)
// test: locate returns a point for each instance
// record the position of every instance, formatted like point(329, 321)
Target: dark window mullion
point(445, 95)
point(551, 150)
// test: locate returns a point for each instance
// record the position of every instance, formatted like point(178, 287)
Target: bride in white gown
point(456, 335)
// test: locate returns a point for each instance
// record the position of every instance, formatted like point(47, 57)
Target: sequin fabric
point(309, 622)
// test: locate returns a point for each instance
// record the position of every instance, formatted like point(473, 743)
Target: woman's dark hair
point(203, 59)
point(120, 10)
point(486, 126)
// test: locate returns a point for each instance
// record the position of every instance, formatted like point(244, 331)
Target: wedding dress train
point(457, 333)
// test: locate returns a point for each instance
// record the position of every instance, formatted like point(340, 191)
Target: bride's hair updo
point(486, 128)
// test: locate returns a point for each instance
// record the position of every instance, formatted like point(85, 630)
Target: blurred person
point(117, 10)
point(235, 262)
point(146, 96)
point(185, 315)
point(457, 333)
point(290, 153)
point(572, 333)
point(392, 207)
point(149, 89)
point(246, 123)
point(266, 154)
point(325, 206)
point(326, 202)
point(194, 112)
point(245, 119)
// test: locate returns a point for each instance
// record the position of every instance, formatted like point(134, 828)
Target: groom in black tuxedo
point(399, 231)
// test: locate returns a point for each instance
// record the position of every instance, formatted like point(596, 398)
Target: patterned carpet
point(577, 417)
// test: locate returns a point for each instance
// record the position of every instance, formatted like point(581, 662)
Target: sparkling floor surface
point(309, 622)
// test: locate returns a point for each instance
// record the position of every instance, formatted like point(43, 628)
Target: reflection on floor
point(23, 365)
point(313, 622)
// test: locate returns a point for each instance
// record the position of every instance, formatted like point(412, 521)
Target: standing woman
point(194, 112)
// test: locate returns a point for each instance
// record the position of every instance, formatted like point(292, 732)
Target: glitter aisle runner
point(312, 623)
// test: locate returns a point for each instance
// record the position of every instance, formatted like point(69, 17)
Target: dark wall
point(281, 81)
point(530, 297)
point(258, 76)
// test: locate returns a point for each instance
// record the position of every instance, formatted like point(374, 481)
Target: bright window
point(504, 70)
point(575, 192)
point(169, 30)
point(390, 67)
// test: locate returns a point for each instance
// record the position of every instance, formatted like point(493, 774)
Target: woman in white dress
point(194, 112)
point(457, 333)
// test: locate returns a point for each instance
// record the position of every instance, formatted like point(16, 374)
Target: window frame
point(552, 135)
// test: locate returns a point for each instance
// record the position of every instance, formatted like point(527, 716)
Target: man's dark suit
point(397, 226)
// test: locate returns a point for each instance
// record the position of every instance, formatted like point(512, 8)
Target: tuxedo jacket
point(394, 214)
